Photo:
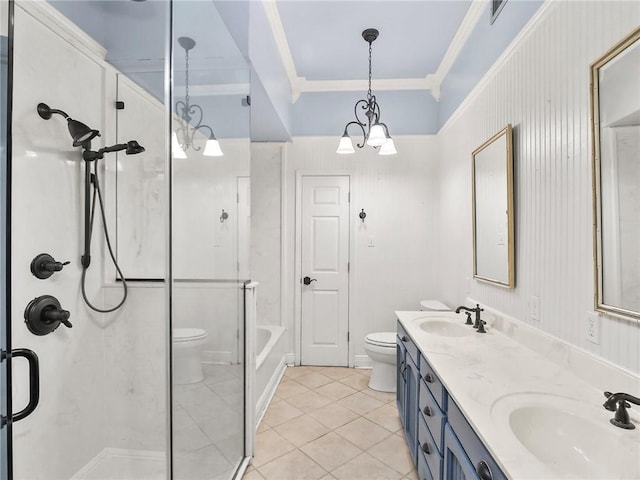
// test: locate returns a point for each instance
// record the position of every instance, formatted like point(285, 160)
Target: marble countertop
point(488, 375)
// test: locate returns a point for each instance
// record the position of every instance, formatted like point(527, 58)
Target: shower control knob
point(44, 314)
point(44, 265)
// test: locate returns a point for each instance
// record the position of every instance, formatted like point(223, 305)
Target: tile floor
point(208, 424)
point(325, 423)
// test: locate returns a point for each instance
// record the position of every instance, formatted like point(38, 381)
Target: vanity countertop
point(490, 375)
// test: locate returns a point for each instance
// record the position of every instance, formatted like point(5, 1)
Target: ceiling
point(307, 55)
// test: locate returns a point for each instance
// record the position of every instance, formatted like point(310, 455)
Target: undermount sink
point(445, 328)
point(571, 438)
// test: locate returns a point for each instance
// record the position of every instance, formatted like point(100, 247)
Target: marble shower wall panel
point(47, 217)
point(541, 87)
point(141, 184)
point(398, 194)
point(135, 356)
point(266, 228)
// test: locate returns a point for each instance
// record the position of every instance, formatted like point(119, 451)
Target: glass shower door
point(4, 334)
point(209, 234)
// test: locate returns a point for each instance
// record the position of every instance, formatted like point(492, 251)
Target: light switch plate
point(534, 308)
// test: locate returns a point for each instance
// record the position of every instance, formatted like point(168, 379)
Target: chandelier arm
point(364, 105)
point(206, 127)
point(195, 108)
point(364, 133)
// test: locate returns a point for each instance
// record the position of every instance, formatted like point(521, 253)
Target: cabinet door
point(401, 383)
point(411, 406)
point(457, 465)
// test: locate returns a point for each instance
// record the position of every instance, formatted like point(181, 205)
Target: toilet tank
point(433, 306)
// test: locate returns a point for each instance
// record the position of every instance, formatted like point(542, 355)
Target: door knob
point(307, 280)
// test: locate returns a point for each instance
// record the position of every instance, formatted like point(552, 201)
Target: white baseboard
point(291, 359)
point(362, 361)
point(111, 453)
point(270, 390)
point(214, 356)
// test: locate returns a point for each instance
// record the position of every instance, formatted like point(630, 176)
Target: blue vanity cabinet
point(483, 464)
point(441, 441)
point(401, 383)
point(407, 392)
point(431, 418)
point(456, 464)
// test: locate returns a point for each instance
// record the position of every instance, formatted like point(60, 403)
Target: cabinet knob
point(404, 338)
point(483, 471)
point(426, 449)
point(428, 378)
point(427, 411)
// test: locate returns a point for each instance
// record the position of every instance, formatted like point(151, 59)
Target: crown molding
point(467, 26)
point(512, 48)
point(275, 22)
point(48, 15)
point(431, 82)
point(214, 90)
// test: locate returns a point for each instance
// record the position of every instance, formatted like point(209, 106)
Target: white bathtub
point(270, 364)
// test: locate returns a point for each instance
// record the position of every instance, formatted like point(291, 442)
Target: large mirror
point(615, 93)
point(492, 183)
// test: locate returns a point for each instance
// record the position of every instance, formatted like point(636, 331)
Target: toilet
point(188, 344)
point(381, 349)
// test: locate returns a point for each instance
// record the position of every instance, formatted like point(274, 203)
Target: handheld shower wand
point(82, 136)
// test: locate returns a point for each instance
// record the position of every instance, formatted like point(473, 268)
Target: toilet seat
point(381, 339)
point(188, 334)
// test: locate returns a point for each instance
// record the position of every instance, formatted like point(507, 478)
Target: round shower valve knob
point(44, 314)
point(44, 265)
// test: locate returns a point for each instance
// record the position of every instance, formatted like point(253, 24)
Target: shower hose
point(97, 193)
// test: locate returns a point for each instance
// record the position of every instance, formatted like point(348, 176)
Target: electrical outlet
point(534, 308)
point(593, 327)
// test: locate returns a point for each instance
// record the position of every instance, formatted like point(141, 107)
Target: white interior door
point(325, 261)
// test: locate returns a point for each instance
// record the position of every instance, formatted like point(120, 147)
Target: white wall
point(398, 193)
point(541, 86)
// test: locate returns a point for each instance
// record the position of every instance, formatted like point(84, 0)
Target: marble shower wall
point(47, 217)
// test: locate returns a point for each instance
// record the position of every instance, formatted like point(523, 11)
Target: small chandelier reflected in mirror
point(190, 118)
point(374, 132)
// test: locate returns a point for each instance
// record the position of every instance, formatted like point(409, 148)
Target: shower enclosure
point(114, 401)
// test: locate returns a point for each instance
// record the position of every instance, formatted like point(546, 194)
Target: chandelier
point(190, 118)
point(374, 132)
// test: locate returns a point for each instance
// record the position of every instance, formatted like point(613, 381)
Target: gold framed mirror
point(493, 214)
point(615, 134)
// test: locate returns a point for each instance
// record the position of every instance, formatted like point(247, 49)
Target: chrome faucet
point(479, 325)
point(617, 402)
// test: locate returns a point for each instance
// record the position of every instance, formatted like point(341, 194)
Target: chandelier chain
point(187, 79)
point(369, 91)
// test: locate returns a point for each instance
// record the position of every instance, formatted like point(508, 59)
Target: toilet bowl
point(188, 344)
point(381, 349)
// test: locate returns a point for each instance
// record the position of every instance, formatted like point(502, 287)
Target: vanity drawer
point(427, 448)
point(433, 383)
point(405, 340)
point(423, 470)
point(432, 415)
point(473, 446)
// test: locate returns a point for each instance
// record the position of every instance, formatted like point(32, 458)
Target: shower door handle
point(34, 382)
point(308, 280)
